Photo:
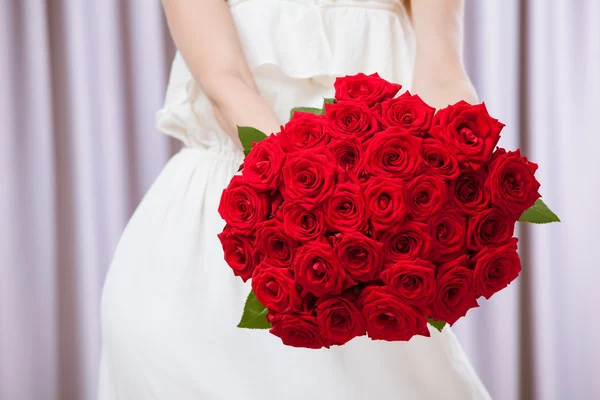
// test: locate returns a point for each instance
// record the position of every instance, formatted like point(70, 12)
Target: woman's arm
point(205, 35)
point(440, 76)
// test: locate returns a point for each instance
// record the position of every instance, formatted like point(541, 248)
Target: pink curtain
point(80, 82)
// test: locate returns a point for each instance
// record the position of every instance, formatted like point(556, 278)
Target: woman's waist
point(226, 152)
point(384, 4)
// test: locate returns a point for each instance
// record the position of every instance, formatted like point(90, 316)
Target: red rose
point(308, 178)
point(413, 281)
point(350, 120)
point(239, 252)
point(512, 184)
point(301, 224)
point(242, 207)
point(274, 244)
point(497, 153)
point(318, 270)
point(274, 288)
point(368, 88)
point(468, 192)
point(297, 330)
point(491, 227)
point(455, 294)
point(411, 241)
point(469, 131)
point(360, 256)
point(339, 320)
point(448, 230)
point(385, 202)
point(408, 112)
point(394, 152)
point(346, 208)
point(276, 203)
point(495, 268)
point(304, 131)
point(389, 318)
point(348, 154)
point(425, 196)
point(440, 159)
point(262, 166)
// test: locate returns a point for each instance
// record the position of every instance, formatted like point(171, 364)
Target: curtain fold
point(80, 82)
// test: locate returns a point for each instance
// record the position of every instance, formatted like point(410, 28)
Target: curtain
point(536, 63)
point(80, 82)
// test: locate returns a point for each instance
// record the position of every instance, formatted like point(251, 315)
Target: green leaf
point(311, 110)
point(539, 213)
point(326, 101)
point(249, 135)
point(255, 314)
point(439, 325)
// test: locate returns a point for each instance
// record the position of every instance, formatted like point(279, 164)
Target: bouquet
point(375, 215)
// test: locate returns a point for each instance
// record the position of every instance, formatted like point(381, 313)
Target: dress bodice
point(295, 49)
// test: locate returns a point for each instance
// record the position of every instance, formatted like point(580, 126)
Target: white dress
point(171, 304)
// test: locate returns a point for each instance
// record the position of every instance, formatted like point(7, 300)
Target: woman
point(171, 304)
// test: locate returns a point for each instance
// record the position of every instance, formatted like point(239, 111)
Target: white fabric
point(171, 304)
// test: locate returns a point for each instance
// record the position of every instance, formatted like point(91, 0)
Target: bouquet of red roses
point(375, 215)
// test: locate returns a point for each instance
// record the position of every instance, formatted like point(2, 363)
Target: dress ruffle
point(301, 40)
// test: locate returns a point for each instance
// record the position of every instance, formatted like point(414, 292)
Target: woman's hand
point(441, 94)
point(440, 78)
point(205, 35)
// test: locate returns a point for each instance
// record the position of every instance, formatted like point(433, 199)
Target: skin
point(440, 77)
point(218, 64)
point(220, 69)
